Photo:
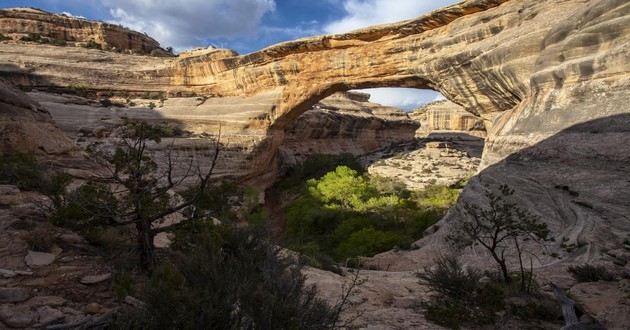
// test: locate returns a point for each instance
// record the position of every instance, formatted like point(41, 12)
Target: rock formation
point(345, 123)
point(447, 116)
point(26, 127)
point(550, 78)
point(21, 22)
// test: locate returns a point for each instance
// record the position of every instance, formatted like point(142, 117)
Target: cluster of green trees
point(344, 213)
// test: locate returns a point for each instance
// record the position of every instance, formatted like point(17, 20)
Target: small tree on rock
point(501, 226)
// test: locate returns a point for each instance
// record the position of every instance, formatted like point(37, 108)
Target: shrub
point(230, 279)
point(152, 105)
point(92, 45)
point(366, 242)
point(20, 169)
point(41, 239)
point(122, 285)
point(3, 37)
point(438, 196)
point(590, 273)
point(90, 206)
point(58, 42)
point(459, 296)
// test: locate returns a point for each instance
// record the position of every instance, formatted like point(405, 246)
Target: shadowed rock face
point(22, 21)
point(26, 127)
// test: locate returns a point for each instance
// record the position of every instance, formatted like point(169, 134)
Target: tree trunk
point(145, 245)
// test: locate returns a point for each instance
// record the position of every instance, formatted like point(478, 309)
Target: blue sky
point(248, 25)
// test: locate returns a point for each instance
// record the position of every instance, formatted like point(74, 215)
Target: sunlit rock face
point(549, 78)
point(20, 22)
point(526, 67)
point(345, 122)
point(447, 116)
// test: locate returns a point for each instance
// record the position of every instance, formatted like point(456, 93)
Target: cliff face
point(24, 21)
point(550, 78)
point(447, 116)
point(345, 123)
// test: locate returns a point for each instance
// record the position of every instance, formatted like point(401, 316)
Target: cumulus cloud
point(405, 98)
point(187, 23)
point(363, 13)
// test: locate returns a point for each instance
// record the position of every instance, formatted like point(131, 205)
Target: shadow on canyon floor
point(576, 181)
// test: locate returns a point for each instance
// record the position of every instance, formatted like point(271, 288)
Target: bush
point(590, 273)
point(89, 207)
point(459, 296)
point(438, 196)
point(367, 242)
point(346, 214)
point(92, 45)
point(230, 279)
point(152, 105)
point(3, 37)
point(41, 239)
point(316, 166)
point(21, 170)
point(122, 285)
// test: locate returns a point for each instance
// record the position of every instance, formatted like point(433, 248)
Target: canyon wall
point(445, 115)
point(24, 21)
point(549, 78)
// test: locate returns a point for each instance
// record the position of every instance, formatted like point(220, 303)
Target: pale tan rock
point(39, 259)
point(95, 279)
point(22, 21)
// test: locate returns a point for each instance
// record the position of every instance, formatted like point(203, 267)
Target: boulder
point(39, 259)
point(14, 295)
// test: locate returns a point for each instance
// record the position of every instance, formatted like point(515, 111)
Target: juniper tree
point(499, 227)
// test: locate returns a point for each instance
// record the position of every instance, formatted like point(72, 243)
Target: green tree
point(137, 193)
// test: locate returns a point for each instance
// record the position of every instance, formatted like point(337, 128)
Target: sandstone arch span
point(530, 68)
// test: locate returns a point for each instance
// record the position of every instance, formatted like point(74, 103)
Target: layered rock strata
point(447, 116)
point(58, 27)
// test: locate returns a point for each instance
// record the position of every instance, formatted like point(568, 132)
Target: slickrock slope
point(23, 21)
point(26, 127)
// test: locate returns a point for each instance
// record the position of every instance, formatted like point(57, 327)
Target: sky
point(249, 25)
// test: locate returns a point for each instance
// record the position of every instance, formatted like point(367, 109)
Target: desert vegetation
point(340, 212)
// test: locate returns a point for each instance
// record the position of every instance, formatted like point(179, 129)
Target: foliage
point(230, 279)
point(316, 166)
point(3, 37)
point(20, 169)
point(90, 205)
point(122, 285)
point(437, 196)
point(41, 239)
point(136, 195)
point(152, 105)
point(590, 273)
point(459, 296)
point(92, 45)
point(501, 226)
point(345, 214)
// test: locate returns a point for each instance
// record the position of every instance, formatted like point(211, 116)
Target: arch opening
point(421, 140)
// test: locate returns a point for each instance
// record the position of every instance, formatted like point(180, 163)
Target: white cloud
point(363, 13)
point(405, 98)
point(187, 23)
